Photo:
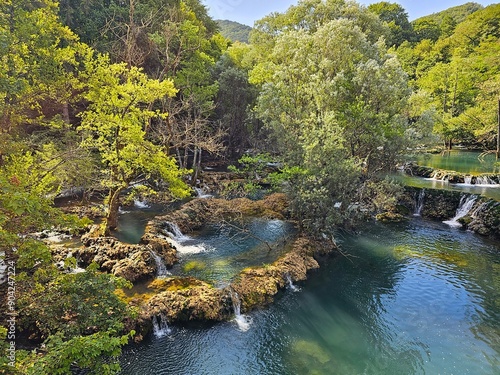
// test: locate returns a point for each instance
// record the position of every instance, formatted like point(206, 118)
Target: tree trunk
point(114, 205)
point(66, 118)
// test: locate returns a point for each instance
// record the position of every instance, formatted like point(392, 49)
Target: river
point(412, 298)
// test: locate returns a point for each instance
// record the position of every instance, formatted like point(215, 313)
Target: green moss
point(194, 265)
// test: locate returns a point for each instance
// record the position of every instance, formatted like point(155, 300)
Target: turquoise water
point(217, 253)
point(459, 161)
point(412, 298)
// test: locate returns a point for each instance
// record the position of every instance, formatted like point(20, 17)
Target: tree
point(396, 18)
point(234, 98)
point(334, 102)
point(115, 125)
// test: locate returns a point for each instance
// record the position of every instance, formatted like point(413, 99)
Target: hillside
point(234, 31)
point(457, 14)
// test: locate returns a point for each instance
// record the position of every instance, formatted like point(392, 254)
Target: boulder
point(134, 262)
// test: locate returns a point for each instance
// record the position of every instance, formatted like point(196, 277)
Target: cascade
point(479, 209)
point(468, 180)
point(175, 233)
point(291, 286)
point(419, 204)
point(160, 326)
point(141, 204)
point(177, 239)
point(161, 268)
point(201, 194)
point(243, 321)
point(485, 181)
point(466, 204)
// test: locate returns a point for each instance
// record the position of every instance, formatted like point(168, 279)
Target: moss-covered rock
point(258, 286)
point(134, 262)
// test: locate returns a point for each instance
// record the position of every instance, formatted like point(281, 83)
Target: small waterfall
point(419, 204)
point(161, 268)
point(479, 209)
point(485, 181)
point(177, 239)
point(243, 321)
point(201, 194)
point(466, 204)
point(468, 180)
point(291, 286)
point(175, 233)
point(160, 326)
point(141, 204)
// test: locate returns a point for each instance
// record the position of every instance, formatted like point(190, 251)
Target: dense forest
point(98, 95)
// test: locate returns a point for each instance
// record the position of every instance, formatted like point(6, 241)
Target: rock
point(199, 212)
point(132, 262)
point(257, 286)
point(390, 217)
point(187, 299)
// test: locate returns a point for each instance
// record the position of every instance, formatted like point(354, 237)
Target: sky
point(248, 11)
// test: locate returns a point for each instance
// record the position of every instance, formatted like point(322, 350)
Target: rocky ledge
point(132, 262)
point(482, 216)
point(453, 177)
point(189, 299)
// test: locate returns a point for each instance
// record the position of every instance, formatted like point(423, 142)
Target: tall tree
point(396, 18)
point(334, 100)
point(115, 124)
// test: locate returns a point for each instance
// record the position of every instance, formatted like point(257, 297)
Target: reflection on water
point(413, 298)
point(459, 161)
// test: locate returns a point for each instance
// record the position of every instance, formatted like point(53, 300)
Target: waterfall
point(177, 239)
point(466, 204)
point(243, 321)
point(290, 283)
point(201, 194)
point(468, 180)
point(485, 181)
point(141, 204)
point(161, 268)
point(479, 210)
point(160, 326)
point(175, 232)
point(419, 204)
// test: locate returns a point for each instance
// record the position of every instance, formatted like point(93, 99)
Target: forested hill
point(434, 23)
point(458, 13)
point(234, 31)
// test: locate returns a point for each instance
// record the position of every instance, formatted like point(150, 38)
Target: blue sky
point(248, 11)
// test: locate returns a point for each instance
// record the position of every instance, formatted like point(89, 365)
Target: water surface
point(459, 161)
point(412, 298)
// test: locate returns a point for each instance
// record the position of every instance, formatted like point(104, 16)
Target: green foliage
point(382, 196)
point(97, 353)
point(396, 19)
point(115, 124)
point(333, 99)
point(441, 24)
point(453, 73)
point(73, 304)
